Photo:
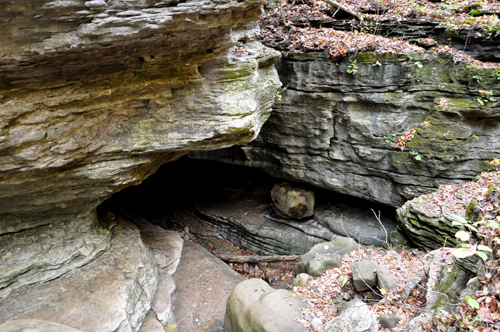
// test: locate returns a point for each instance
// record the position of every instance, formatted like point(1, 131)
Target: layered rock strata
point(339, 131)
point(95, 95)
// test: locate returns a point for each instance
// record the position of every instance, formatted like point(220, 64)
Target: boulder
point(385, 279)
point(30, 325)
point(119, 285)
point(203, 285)
point(292, 201)
point(316, 265)
point(356, 317)
point(255, 306)
point(364, 275)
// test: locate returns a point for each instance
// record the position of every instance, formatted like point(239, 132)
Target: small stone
point(346, 296)
point(389, 321)
point(302, 279)
point(364, 275)
point(316, 324)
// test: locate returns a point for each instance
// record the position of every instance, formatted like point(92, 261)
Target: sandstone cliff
point(96, 95)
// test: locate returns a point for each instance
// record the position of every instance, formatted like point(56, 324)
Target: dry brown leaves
point(459, 56)
point(323, 294)
point(336, 43)
point(407, 137)
point(454, 199)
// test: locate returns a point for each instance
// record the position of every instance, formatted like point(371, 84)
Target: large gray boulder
point(256, 307)
point(203, 285)
point(96, 95)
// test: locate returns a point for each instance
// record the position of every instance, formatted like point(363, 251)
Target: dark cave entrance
point(233, 203)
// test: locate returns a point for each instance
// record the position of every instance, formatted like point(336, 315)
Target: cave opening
point(213, 200)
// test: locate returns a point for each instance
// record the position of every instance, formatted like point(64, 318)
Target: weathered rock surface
point(292, 201)
point(445, 284)
point(364, 275)
point(356, 317)
point(360, 225)
point(203, 285)
point(328, 130)
point(29, 325)
point(255, 306)
point(249, 221)
point(427, 220)
point(112, 293)
point(95, 95)
point(324, 256)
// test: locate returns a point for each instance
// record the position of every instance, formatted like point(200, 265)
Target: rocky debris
point(364, 275)
point(96, 95)
point(301, 279)
point(29, 325)
point(385, 279)
point(255, 306)
point(356, 317)
point(346, 125)
point(119, 285)
point(388, 321)
point(162, 301)
point(203, 285)
point(292, 201)
point(427, 220)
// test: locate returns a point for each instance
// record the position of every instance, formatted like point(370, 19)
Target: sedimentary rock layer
point(339, 131)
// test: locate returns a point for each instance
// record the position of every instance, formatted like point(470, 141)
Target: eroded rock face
point(112, 293)
point(95, 95)
point(328, 130)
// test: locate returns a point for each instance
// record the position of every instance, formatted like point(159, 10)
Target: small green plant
point(418, 64)
point(352, 68)
point(390, 138)
point(497, 76)
point(475, 136)
point(477, 78)
point(469, 249)
point(472, 302)
point(484, 97)
point(416, 155)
